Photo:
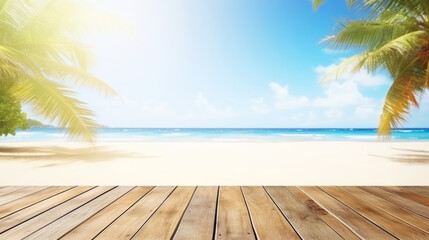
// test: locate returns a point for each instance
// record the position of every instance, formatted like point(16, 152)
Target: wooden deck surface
point(143, 212)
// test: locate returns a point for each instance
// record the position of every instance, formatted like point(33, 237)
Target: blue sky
point(241, 63)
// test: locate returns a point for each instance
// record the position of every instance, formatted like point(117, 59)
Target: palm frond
point(317, 3)
point(407, 44)
point(60, 50)
point(347, 65)
point(14, 12)
point(366, 34)
point(403, 93)
point(394, 37)
point(58, 103)
point(19, 59)
point(42, 57)
point(427, 75)
point(410, 8)
point(76, 77)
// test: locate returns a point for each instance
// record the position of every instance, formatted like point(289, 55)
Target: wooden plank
point(52, 214)
point(19, 194)
point(268, 221)
point(28, 213)
point(399, 200)
point(94, 225)
point(199, 219)
point(29, 200)
point(233, 221)
point(10, 189)
point(69, 221)
point(132, 220)
point(393, 209)
point(327, 217)
point(408, 194)
point(306, 223)
point(424, 191)
point(358, 224)
point(168, 216)
point(386, 221)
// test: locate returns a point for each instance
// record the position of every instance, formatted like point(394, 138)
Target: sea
point(224, 134)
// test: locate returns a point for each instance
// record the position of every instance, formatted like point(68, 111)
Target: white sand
point(215, 163)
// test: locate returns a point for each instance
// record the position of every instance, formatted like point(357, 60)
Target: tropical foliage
point(393, 37)
point(34, 123)
point(11, 116)
point(43, 61)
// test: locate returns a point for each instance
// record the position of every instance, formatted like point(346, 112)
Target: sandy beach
point(215, 163)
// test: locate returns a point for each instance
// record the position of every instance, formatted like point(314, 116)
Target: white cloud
point(341, 101)
point(286, 101)
point(339, 95)
point(362, 77)
point(144, 109)
point(332, 51)
point(365, 111)
point(333, 113)
point(131, 112)
point(201, 101)
point(150, 107)
point(345, 91)
point(207, 109)
point(258, 105)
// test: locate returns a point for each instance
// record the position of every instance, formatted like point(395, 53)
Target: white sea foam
point(26, 133)
point(56, 134)
point(175, 134)
point(405, 131)
point(301, 135)
point(362, 137)
point(239, 140)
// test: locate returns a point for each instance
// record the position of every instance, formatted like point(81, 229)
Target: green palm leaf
point(317, 3)
point(42, 58)
point(58, 103)
point(407, 44)
point(395, 38)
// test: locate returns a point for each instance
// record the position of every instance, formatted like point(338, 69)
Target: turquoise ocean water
point(224, 134)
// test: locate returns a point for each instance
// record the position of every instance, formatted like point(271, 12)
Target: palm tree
point(42, 59)
point(394, 38)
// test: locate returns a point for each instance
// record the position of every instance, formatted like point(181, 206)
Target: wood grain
point(36, 209)
point(424, 191)
point(393, 209)
point(133, 219)
point(399, 200)
point(91, 227)
point(72, 219)
point(268, 221)
point(358, 224)
point(52, 214)
point(168, 216)
point(19, 194)
point(307, 224)
point(219, 213)
point(233, 221)
point(386, 221)
point(408, 194)
point(327, 217)
point(10, 189)
point(199, 219)
point(29, 200)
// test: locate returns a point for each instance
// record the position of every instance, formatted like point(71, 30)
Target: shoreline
point(227, 134)
point(215, 163)
point(219, 140)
